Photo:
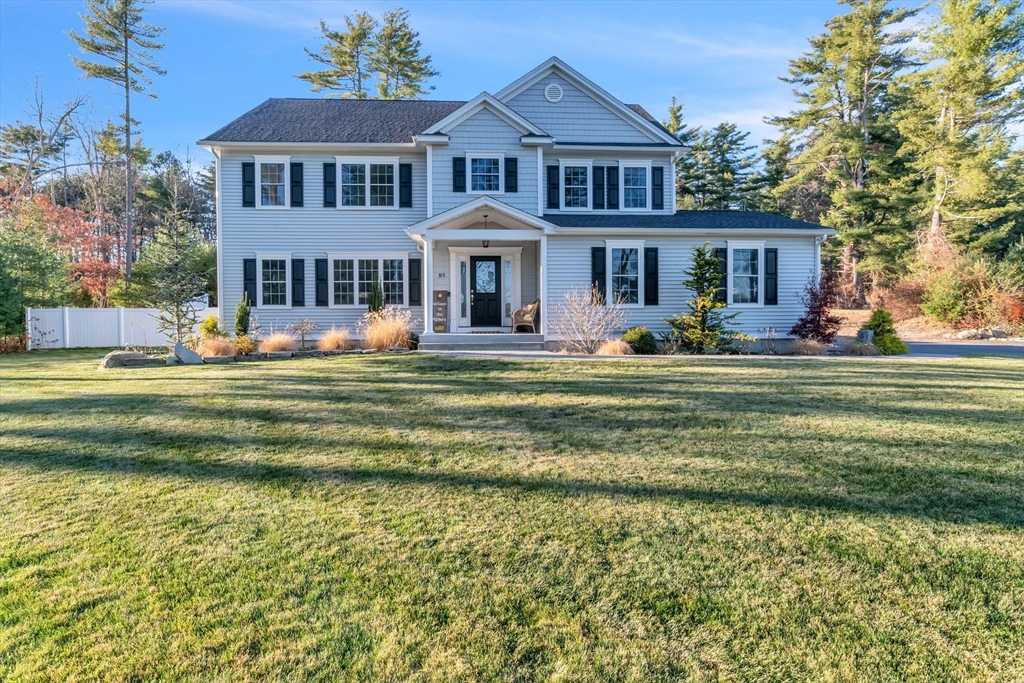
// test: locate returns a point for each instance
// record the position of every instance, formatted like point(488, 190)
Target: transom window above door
point(485, 172)
point(368, 182)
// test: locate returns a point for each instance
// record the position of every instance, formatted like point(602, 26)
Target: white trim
point(625, 244)
point(613, 148)
point(541, 182)
point(575, 163)
point(732, 245)
point(434, 139)
point(456, 255)
point(542, 286)
point(365, 161)
point(482, 202)
point(428, 285)
point(218, 162)
point(497, 235)
point(355, 257)
point(495, 106)
point(262, 256)
point(698, 233)
point(623, 165)
point(430, 181)
point(350, 147)
point(273, 159)
point(500, 156)
point(556, 65)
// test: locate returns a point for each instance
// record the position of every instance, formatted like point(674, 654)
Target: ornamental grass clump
point(386, 329)
point(279, 341)
point(334, 340)
point(217, 346)
point(859, 348)
point(615, 347)
point(807, 347)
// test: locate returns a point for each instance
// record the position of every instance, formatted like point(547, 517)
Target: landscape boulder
point(187, 355)
point(173, 360)
point(115, 359)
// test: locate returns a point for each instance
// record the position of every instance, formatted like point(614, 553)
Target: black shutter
point(330, 186)
point(298, 282)
point(657, 187)
point(612, 187)
point(723, 278)
point(598, 186)
point(771, 277)
point(248, 183)
point(553, 187)
point(249, 279)
point(651, 277)
point(405, 186)
point(511, 174)
point(297, 184)
point(597, 270)
point(458, 174)
point(415, 282)
point(320, 268)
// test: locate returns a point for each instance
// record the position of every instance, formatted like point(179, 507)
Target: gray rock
point(308, 354)
point(186, 355)
point(274, 355)
point(998, 333)
point(115, 359)
point(145, 362)
point(968, 334)
point(399, 349)
point(173, 360)
point(219, 360)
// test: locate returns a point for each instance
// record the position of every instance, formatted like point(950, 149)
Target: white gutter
point(675, 232)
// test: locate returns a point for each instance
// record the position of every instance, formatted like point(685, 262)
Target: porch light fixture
point(487, 243)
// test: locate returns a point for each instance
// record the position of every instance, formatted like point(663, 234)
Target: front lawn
point(415, 517)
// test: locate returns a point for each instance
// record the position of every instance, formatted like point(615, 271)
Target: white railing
point(68, 328)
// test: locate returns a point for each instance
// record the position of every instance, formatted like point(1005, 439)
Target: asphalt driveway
point(967, 348)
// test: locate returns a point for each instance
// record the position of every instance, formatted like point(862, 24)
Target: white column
point(67, 327)
point(542, 180)
point(542, 270)
point(430, 181)
point(120, 327)
point(28, 329)
point(428, 280)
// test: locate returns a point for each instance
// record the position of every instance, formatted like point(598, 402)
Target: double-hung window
point(274, 271)
point(635, 184)
point(272, 174)
point(575, 185)
point(353, 277)
point(625, 282)
point(368, 182)
point(485, 172)
point(746, 273)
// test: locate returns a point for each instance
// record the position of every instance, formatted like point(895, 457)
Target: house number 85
point(442, 275)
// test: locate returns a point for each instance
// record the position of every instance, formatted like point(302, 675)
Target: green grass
point(414, 517)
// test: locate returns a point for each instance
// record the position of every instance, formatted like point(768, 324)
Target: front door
point(485, 291)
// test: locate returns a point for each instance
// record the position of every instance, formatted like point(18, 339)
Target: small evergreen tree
point(820, 296)
point(375, 301)
point(177, 278)
point(705, 325)
point(242, 312)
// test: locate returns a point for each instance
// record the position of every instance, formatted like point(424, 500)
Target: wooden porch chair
point(526, 316)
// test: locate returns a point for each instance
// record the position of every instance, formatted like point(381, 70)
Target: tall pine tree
point(115, 31)
point(346, 54)
point(401, 72)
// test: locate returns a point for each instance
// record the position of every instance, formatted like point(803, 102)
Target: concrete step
point(487, 346)
point(466, 338)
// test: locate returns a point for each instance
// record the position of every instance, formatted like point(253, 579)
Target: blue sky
point(721, 59)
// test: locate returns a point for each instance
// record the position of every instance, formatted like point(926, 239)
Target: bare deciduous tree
point(584, 320)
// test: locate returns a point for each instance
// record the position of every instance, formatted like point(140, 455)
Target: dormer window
point(367, 182)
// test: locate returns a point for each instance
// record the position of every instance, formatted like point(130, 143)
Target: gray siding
point(613, 159)
point(308, 233)
point(485, 132)
point(569, 265)
point(577, 117)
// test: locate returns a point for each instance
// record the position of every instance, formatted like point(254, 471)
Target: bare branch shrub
point(584, 321)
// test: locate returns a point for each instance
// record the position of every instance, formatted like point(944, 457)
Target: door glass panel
point(507, 284)
point(486, 278)
point(462, 289)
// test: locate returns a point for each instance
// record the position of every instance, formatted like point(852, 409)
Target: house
point(465, 211)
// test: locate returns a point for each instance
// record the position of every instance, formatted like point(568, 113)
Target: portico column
point(542, 269)
point(428, 280)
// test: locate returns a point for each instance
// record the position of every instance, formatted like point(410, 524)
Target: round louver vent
point(553, 92)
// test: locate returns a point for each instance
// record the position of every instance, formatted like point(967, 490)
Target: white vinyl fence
point(68, 328)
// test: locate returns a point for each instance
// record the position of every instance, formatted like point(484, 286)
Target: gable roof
point(693, 220)
point(337, 121)
point(481, 202)
point(643, 123)
point(485, 101)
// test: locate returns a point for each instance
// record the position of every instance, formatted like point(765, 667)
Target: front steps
point(482, 342)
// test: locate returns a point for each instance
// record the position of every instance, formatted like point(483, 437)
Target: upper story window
point(746, 273)
point(368, 182)
point(575, 186)
point(634, 187)
point(485, 176)
point(272, 175)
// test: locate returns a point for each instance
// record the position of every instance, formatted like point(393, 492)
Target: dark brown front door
point(485, 291)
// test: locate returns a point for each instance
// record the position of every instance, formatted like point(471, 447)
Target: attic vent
point(553, 93)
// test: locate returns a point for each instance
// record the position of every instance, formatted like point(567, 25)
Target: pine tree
point(717, 171)
point(395, 56)
point(705, 326)
point(346, 54)
point(842, 134)
point(178, 276)
point(956, 121)
point(115, 31)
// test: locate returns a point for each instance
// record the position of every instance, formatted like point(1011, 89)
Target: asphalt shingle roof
point(334, 121)
point(647, 116)
point(696, 220)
